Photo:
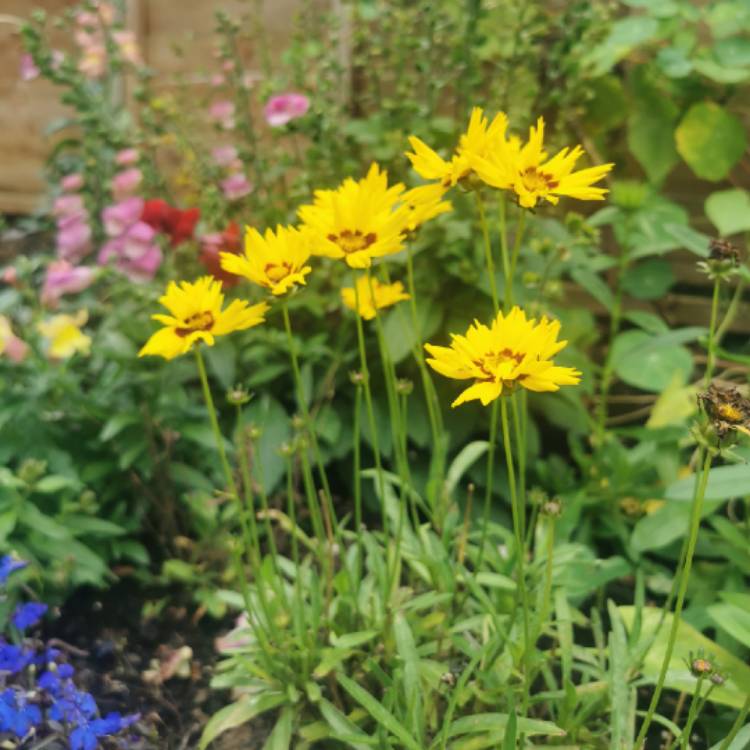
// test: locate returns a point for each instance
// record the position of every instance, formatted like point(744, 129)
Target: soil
point(113, 648)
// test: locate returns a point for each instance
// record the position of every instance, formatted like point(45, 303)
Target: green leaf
point(733, 620)
point(647, 321)
point(54, 483)
point(222, 361)
point(620, 693)
point(686, 237)
point(740, 742)
point(651, 140)
point(32, 517)
point(724, 483)
point(344, 729)
point(624, 36)
point(594, 285)
point(92, 526)
point(689, 641)
point(398, 331)
point(377, 711)
point(720, 73)
point(496, 722)
point(710, 140)
point(462, 463)
point(665, 525)
point(733, 53)
point(650, 279)
point(729, 211)
point(641, 361)
point(238, 713)
point(407, 651)
point(281, 736)
point(674, 405)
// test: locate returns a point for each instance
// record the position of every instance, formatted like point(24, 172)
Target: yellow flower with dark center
point(514, 351)
point(64, 335)
point(359, 221)
point(424, 203)
point(532, 176)
point(372, 298)
point(196, 315)
point(480, 138)
point(275, 261)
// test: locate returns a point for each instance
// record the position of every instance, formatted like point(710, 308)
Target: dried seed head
point(727, 409)
point(552, 508)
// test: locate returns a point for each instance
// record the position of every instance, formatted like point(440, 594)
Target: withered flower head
point(727, 409)
point(723, 260)
point(700, 666)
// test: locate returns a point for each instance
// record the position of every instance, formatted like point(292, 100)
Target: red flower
point(228, 241)
point(177, 224)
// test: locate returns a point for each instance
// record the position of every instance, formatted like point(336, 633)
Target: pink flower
point(284, 108)
point(10, 276)
point(128, 46)
point(126, 157)
point(124, 184)
point(223, 156)
point(93, 62)
point(72, 182)
point(235, 186)
point(64, 278)
point(29, 70)
point(73, 237)
point(16, 350)
point(120, 216)
point(222, 112)
point(227, 66)
point(217, 79)
point(68, 205)
point(134, 254)
point(58, 57)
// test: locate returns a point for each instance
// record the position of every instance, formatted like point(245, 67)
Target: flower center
point(353, 241)
point(537, 182)
point(277, 271)
point(730, 413)
point(200, 321)
point(491, 361)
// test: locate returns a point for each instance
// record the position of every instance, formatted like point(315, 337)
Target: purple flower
point(284, 108)
point(27, 615)
point(124, 184)
point(64, 278)
point(9, 564)
point(235, 186)
point(120, 216)
point(13, 658)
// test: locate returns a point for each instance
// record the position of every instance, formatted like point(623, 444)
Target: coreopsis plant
point(370, 295)
point(512, 352)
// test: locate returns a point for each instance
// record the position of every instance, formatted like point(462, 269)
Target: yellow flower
point(372, 299)
point(196, 315)
point(424, 203)
point(533, 176)
point(358, 221)
point(480, 138)
point(64, 335)
point(513, 351)
point(275, 261)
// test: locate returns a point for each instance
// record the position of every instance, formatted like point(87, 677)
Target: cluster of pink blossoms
point(132, 245)
point(91, 39)
point(235, 185)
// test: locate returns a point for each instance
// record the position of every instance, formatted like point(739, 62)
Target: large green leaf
point(650, 279)
point(641, 360)
point(651, 139)
point(689, 642)
point(724, 483)
point(625, 34)
point(729, 211)
point(711, 140)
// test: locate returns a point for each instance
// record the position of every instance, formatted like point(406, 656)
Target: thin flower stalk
point(487, 250)
point(696, 509)
point(739, 722)
point(357, 479)
point(711, 346)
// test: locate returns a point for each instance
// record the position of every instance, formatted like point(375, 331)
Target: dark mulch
point(113, 648)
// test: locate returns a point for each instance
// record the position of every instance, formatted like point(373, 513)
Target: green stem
point(548, 569)
point(487, 250)
point(504, 253)
point(520, 227)
point(696, 707)
point(695, 522)
point(520, 548)
point(519, 431)
point(739, 722)
point(488, 490)
point(711, 354)
point(358, 483)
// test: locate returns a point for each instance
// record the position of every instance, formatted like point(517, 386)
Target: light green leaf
point(733, 620)
point(344, 729)
point(639, 360)
point(496, 722)
point(398, 331)
point(281, 736)
point(724, 483)
point(377, 711)
point(407, 651)
point(665, 525)
point(594, 285)
point(625, 35)
point(674, 405)
point(462, 463)
point(729, 211)
point(720, 73)
point(689, 641)
point(651, 140)
point(711, 140)
point(238, 713)
point(650, 279)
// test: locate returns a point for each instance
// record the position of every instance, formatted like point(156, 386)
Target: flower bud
point(404, 386)
point(238, 396)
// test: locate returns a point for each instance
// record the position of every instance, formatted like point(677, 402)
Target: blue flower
point(16, 715)
point(14, 658)
point(8, 565)
point(27, 615)
point(86, 735)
